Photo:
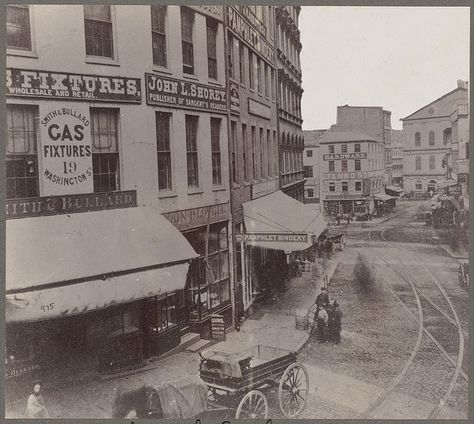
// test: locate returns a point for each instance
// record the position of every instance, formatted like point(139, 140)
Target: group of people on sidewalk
point(328, 318)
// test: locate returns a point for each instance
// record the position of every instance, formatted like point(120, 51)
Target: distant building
point(428, 141)
point(397, 157)
point(312, 165)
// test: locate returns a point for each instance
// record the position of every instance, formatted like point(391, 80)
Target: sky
point(397, 57)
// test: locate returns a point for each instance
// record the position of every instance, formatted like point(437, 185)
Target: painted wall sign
point(454, 190)
point(340, 156)
point(216, 12)
point(234, 98)
point(259, 109)
point(197, 217)
point(65, 149)
point(164, 91)
point(55, 205)
point(269, 237)
point(11, 372)
point(67, 86)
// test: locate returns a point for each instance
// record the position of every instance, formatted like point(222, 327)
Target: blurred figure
point(35, 406)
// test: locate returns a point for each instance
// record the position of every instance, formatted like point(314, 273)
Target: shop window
point(418, 163)
point(98, 30)
point(18, 27)
point(357, 164)
point(345, 186)
point(310, 192)
point(120, 320)
point(191, 151)
point(344, 165)
point(431, 138)
point(308, 171)
point(343, 148)
point(160, 313)
point(158, 34)
point(357, 148)
point(332, 186)
point(105, 155)
point(21, 154)
point(241, 62)
point(163, 150)
point(417, 139)
point(211, 27)
point(432, 162)
point(187, 23)
point(358, 186)
point(309, 153)
point(216, 151)
point(331, 148)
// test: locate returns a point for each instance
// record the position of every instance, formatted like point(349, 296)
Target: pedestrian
point(348, 217)
point(323, 298)
point(337, 321)
point(35, 406)
point(338, 218)
point(322, 322)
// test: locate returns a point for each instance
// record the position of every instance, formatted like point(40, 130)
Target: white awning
point(384, 197)
point(280, 214)
point(394, 189)
point(84, 261)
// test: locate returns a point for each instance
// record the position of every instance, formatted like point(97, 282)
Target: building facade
point(428, 141)
point(397, 158)
point(311, 163)
point(290, 91)
point(122, 132)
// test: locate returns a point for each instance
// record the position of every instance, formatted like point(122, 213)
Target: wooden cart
point(242, 381)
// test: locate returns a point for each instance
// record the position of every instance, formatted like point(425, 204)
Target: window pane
point(98, 12)
point(18, 27)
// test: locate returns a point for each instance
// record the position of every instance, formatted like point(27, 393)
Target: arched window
point(431, 138)
point(431, 186)
point(417, 139)
point(418, 163)
point(432, 162)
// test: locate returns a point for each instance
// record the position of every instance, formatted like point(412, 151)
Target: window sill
point(195, 191)
point(219, 188)
point(96, 60)
point(167, 193)
point(24, 53)
point(212, 81)
point(191, 77)
point(161, 70)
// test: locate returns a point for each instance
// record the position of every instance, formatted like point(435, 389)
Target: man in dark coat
point(323, 298)
point(336, 316)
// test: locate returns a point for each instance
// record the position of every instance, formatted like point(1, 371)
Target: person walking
point(322, 322)
point(35, 406)
point(323, 298)
point(337, 321)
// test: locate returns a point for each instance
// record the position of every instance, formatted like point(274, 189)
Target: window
point(272, 75)
point(241, 62)
point(357, 148)
point(419, 186)
point(163, 150)
point(467, 150)
point(105, 154)
point(269, 154)
point(254, 146)
point(431, 138)
point(259, 75)
point(233, 134)
point(267, 80)
point(343, 148)
point(432, 162)
point(417, 163)
point(417, 139)
point(21, 155)
point(191, 151)
point(158, 34)
point(309, 153)
point(331, 148)
point(98, 30)
point(345, 186)
point(332, 186)
point(357, 165)
point(218, 265)
point(211, 27)
point(244, 152)
point(261, 141)
point(310, 192)
point(251, 73)
point(187, 23)
point(216, 150)
point(160, 313)
point(18, 27)
point(331, 166)
point(275, 150)
point(358, 186)
point(344, 165)
point(447, 135)
point(308, 171)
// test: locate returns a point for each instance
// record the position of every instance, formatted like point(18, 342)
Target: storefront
point(384, 203)
point(74, 303)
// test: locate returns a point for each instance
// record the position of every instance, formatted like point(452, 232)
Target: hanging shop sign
point(55, 205)
point(234, 98)
point(340, 156)
point(454, 190)
point(65, 149)
point(67, 86)
point(164, 91)
point(272, 237)
point(197, 217)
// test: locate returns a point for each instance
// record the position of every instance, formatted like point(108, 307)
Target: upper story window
point(187, 23)
point(345, 186)
point(432, 162)
point(447, 135)
point(158, 34)
point(417, 163)
point(191, 151)
point(308, 171)
point(211, 26)
point(331, 166)
point(344, 165)
point(357, 165)
point(259, 75)
point(357, 148)
point(332, 186)
point(309, 153)
point(343, 148)
point(417, 139)
point(18, 27)
point(331, 148)
point(233, 139)
point(163, 150)
point(216, 151)
point(241, 62)
point(98, 30)
point(21, 154)
point(251, 72)
point(431, 138)
point(358, 186)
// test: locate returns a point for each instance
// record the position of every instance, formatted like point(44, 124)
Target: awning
point(384, 197)
point(394, 190)
point(85, 261)
point(279, 214)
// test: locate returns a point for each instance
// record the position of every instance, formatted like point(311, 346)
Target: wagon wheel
point(253, 405)
point(293, 390)
point(310, 318)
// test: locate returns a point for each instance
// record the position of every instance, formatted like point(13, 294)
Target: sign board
point(454, 190)
point(197, 217)
point(259, 109)
point(164, 91)
point(12, 372)
point(216, 12)
point(67, 86)
point(340, 156)
point(234, 98)
point(272, 237)
point(218, 327)
point(65, 149)
point(56, 205)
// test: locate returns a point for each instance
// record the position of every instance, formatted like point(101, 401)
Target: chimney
point(462, 84)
